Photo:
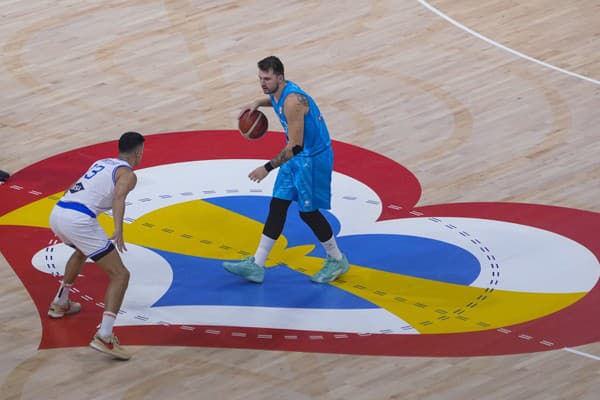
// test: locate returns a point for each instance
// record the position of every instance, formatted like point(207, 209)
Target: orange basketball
point(253, 125)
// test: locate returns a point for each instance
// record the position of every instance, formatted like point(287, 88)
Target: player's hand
point(117, 238)
point(258, 174)
point(251, 107)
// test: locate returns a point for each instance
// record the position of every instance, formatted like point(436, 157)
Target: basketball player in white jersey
point(103, 187)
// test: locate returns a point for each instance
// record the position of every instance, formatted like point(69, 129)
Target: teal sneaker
point(246, 268)
point(331, 270)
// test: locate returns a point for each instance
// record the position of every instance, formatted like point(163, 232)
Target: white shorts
point(81, 231)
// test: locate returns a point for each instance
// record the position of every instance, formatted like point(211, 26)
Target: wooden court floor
point(487, 100)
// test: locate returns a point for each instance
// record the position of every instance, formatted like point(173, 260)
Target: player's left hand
point(258, 174)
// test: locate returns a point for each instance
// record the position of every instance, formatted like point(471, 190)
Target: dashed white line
point(187, 328)
point(526, 337)
point(262, 336)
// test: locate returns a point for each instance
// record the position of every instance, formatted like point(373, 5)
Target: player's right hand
point(250, 107)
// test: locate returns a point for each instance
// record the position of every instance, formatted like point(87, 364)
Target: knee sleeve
point(319, 225)
point(276, 219)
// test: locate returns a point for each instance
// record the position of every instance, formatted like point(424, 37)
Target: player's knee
point(124, 275)
point(311, 216)
point(276, 218)
point(125, 278)
point(279, 206)
point(118, 273)
point(319, 225)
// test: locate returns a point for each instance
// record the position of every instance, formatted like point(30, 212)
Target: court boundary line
point(582, 353)
point(529, 58)
point(505, 48)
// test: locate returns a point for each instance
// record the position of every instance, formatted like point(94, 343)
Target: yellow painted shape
point(196, 228)
point(438, 307)
point(201, 229)
point(429, 306)
point(34, 214)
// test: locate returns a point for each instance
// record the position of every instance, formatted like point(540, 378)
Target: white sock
point(332, 249)
point(264, 248)
point(108, 320)
point(62, 296)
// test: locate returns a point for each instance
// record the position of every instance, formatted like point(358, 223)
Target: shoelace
point(330, 264)
point(112, 340)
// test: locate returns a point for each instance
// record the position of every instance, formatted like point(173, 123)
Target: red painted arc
point(394, 183)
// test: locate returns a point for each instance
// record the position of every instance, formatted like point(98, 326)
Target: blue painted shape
point(203, 281)
point(409, 255)
point(295, 231)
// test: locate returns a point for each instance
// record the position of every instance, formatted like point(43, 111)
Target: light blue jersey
point(316, 135)
point(306, 177)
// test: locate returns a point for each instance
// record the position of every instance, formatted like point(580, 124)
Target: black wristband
point(269, 167)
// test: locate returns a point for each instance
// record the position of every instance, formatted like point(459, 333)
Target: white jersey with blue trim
point(96, 188)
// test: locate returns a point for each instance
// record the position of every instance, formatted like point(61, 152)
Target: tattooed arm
point(295, 108)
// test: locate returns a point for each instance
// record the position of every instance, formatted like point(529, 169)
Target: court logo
point(445, 280)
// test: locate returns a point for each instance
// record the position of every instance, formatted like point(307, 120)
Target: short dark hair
point(129, 141)
point(271, 63)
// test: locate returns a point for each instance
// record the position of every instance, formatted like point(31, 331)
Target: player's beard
point(267, 91)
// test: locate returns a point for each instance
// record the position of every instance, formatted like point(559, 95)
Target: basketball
point(253, 125)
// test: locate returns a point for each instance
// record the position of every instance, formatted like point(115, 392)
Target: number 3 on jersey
point(93, 171)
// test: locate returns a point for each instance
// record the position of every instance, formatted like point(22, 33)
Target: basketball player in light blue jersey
point(305, 166)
